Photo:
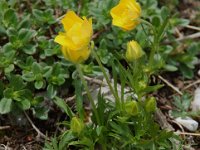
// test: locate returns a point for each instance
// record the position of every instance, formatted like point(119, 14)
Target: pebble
point(195, 105)
point(198, 73)
point(188, 123)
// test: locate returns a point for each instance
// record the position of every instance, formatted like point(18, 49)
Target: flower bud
point(132, 108)
point(76, 125)
point(134, 51)
point(151, 104)
point(142, 84)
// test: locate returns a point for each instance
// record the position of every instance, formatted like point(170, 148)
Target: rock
point(198, 73)
point(105, 90)
point(195, 105)
point(188, 123)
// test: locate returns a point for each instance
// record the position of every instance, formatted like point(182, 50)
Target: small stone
point(195, 105)
point(188, 123)
point(198, 73)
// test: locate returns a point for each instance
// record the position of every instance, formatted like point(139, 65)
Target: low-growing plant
point(182, 106)
point(35, 71)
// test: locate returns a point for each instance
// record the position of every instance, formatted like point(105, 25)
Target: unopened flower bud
point(134, 51)
point(151, 104)
point(76, 125)
point(132, 108)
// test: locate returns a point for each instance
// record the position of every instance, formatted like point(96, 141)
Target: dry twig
point(191, 36)
point(170, 85)
point(97, 81)
point(178, 124)
point(188, 133)
point(192, 27)
point(192, 84)
point(40, 134)
point(4, 127)
point(162, 120)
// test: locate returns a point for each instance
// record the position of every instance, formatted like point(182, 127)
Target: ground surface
point(19, 134)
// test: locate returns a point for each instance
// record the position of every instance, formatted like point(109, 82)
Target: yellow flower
point(134, 51)
point(76, 38)
point(126, 14)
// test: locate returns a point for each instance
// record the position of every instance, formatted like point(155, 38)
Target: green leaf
point(177, 102)
point(21, 95)
point(79, 98)
point(152, 88)
point(9, 69)
point(37, 100)
point(5, 105)
point(165, 12)
point(24, 104)
point(1, 88)
point(36, 68)
point(10, 18)
point(16, 82)
point(37, 14)
point(8, 93)
point(29, 49)
point(169, 67)
point(51, 91)
point(25, 22)
point(39, 84)
point(180, 21)
point(41, 113)
point(2, 30)
point(187, 72)
point(62, 104)
point(29, 77)
point(186, 101)
point(25, 35)
point(156, 21)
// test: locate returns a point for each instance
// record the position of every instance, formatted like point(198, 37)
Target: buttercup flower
point(125, 14)
point(76, 38)
point(134, 51)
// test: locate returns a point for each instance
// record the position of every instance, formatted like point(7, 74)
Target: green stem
point(154, 44)
point(152, 53)
point(88, 92)
point(149, 24)
point(106, 77)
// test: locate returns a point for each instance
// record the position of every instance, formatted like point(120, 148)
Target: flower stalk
point(88, 92)
point(107, 79)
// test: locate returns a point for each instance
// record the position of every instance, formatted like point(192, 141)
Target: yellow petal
point(80, 34)
point(131, 4)
point(76, 56)
point(70, 19)
point(65, 52)
point(117, 10)
point(125, 14)
point(61, 38)
point(64, 40)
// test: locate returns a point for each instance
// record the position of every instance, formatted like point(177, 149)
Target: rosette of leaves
point(15, 95)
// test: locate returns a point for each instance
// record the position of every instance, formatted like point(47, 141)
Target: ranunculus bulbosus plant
point(76, 38)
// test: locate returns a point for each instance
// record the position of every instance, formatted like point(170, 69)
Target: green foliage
point(29, 63)
point(182, 106)
point(33, 72)
point(117, 130)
